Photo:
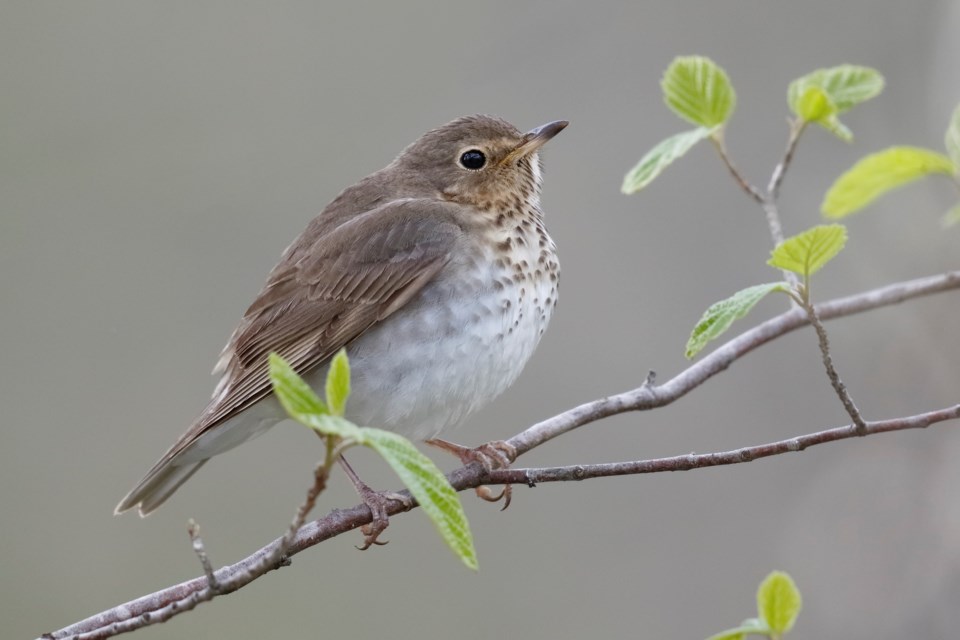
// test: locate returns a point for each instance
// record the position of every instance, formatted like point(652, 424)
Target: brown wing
point(325, 294)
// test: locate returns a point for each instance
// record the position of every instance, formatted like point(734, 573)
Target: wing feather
point(328, 294)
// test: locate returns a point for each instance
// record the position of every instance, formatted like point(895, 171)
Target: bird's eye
point(473, 159)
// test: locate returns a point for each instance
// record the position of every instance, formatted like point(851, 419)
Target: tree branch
point(651, 397)
point(687, 462)
point(166, 603)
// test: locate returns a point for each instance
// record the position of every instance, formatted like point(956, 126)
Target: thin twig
point(776, 179)
point(769, 204)
point(166, 603)
point(768, 200)
point(749, 189)
point(860, 427)
point(320, 475)
point(194, 530)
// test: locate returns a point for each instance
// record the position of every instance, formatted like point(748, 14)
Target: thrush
point(436, 273)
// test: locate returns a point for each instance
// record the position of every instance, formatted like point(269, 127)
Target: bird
point(437, 275)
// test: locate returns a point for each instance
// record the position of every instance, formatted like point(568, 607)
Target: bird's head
point(480, 160)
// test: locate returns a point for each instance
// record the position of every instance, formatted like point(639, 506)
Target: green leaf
point(658, 158)
point(747, 627)
point(430, 488)
point(303, 405)
point(417, 472)
point(832, 124)
point(953, 140)
point(720, 315)
point(805, 253)
point(729, 634)
point(877, 173)
point(815, 105)
point(699, 91)
point(951, 217)
point(843, 87)
point(846, 85)
point(294, 394)
point(778, 602)
point(338, 383)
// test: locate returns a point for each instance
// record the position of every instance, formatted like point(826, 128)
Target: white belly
point(432, 364)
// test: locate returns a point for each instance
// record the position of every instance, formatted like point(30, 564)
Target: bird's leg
point(492, 455)
point(377, 502)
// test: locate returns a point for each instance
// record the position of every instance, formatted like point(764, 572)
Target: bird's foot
point(492, 455)
point(378, 502)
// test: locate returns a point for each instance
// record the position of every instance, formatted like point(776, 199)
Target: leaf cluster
point(418, 473)
point(778, 605)
point(699, 91)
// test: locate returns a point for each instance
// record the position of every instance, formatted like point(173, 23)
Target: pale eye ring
point(473, 159)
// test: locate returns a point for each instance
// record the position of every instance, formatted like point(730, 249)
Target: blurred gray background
point(156, 158)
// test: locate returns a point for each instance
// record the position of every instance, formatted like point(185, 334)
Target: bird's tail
point(159, 484)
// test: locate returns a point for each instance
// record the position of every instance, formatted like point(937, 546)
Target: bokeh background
point(156, 158)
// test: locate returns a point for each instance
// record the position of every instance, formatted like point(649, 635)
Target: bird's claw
point(485, 493)
point(377, 502)
point(492, 455)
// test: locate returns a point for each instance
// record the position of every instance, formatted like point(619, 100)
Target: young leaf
point(657, 159)
point(303, 405)
point(699, 91)
point(331, 425)
point(877, 173)
point(778, 602)
point(294, 394)
point(805, 253)
point(338, 383)
point(832, 124)
point(430, 488)
point(729, 634)
point(815, 105)
point(417, 472)
point(846, 85)
point(750, 626)
point(720, 315)
point(953, 140)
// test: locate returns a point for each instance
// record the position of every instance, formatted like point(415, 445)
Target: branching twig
point(164, 604)
point(768, 200)
point(690, 461)
point(651, 397)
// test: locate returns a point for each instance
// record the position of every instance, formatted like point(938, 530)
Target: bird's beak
point(536, 138)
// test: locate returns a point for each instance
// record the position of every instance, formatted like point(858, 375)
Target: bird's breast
point(461, 341)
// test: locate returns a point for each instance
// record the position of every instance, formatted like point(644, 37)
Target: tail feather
point(158, 485)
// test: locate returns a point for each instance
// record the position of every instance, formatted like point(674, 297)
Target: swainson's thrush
point(436, 273)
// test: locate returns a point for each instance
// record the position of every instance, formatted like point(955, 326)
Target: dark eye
point(473, 159)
